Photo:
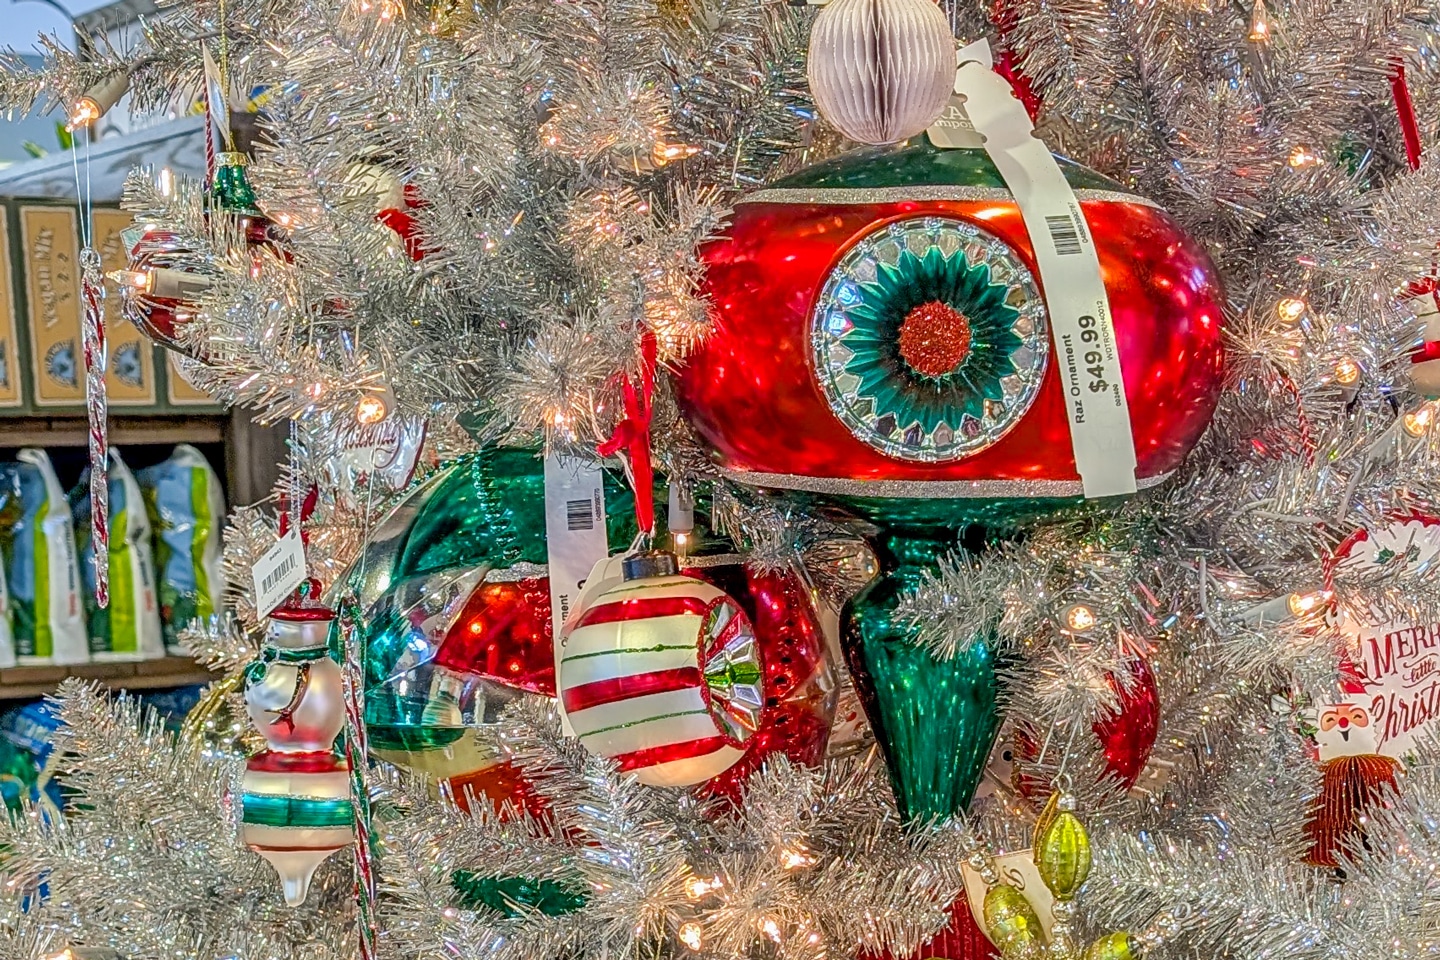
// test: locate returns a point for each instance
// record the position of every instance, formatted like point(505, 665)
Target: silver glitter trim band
point(714, 560)
point(926, 489)
point(832, 195)
point(520, 571)
point(535, 571)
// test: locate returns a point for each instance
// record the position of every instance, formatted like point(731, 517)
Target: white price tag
point(953, 130)
point(575, 540)
point(278, 572)
point(1018, 870)
point(1080, 321)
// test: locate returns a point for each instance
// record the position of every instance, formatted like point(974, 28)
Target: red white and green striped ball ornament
point(662, 674)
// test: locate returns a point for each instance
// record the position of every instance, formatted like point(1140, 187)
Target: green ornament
point(1062, 855)
point(480, 515)
point(1116, 946)
point(935, 721)
point(231, 187)
point(1010, 920)
point(508, 894)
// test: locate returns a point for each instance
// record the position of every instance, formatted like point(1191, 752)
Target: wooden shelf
point(71, 431)
point(24, 683)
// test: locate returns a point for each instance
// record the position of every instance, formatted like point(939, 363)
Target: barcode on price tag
point(1064, 234)
point(278, 572)
point(580, 514)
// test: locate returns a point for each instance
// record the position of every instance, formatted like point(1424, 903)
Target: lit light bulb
point(1418, 422)
point(1347, 372)
point(97, 101)
point(771, 929)
point(85, 112)
point(1079, 618)
point(795, 859)
point(690, 935)
point(134, 279)
point(698, 887)
point(1291, 309)
point(1259, 23)
point(371, 409)
point(1301, 604)
point(1302, 157)
point(664, 153)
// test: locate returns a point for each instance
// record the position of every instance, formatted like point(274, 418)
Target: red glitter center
point(935, 339)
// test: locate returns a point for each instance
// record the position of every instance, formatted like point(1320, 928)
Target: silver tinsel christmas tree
point(485, 213)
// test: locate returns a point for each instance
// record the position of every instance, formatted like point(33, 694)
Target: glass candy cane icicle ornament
point(92, 296)
point(297, 809)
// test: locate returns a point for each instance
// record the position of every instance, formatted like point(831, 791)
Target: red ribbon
point(633, 433)
point(307, 509)
point(1405, 110)
point(405, 225)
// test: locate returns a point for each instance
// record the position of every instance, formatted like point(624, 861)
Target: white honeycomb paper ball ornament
point(881, 70)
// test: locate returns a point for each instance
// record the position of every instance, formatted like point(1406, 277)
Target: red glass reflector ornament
point(828, 369)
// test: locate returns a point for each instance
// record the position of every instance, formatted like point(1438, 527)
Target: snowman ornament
point(296, 792)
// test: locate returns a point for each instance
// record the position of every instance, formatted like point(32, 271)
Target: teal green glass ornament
point(231, 187)
point(935, 720)
point(507, 894)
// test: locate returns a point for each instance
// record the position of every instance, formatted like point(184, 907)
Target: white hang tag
point(608, 572)
point(1080, 322)
point(953, 129)
point(574, 539)
point(278, 572)
point(1017, 869)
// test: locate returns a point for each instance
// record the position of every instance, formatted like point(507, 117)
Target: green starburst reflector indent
point(930, 339)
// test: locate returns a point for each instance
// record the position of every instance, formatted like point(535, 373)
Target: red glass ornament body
point(160, 318)
point(503, 634)
point(752, 389)
point(800, 686)
point(1128, 735)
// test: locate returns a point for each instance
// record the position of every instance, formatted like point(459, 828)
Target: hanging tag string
point(632, 434)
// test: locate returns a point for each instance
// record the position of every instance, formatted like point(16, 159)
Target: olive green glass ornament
point(935, 720)
point(1011, 922)
point(1115, 946)
point(1062, 855)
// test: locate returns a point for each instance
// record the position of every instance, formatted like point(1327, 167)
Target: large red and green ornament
point(882, 343)
point(460, 625)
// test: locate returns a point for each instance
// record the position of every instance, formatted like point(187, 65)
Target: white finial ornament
point(296, 807)
point(881, 70)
